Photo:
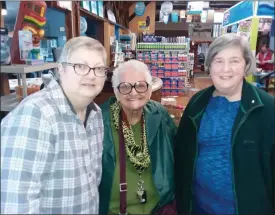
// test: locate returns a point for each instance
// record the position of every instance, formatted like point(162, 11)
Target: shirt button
point(252, 101)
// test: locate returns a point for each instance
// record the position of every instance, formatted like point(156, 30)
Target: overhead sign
point(195, 7)
point(265, 8)
point(244, 29)
point(239, 12)
point(265, 24)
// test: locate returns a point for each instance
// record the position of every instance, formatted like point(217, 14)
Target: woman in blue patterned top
point(224, 149)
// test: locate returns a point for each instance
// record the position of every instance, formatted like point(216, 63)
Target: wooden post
point(76, 14)
point(72, 21)
point(109, 31)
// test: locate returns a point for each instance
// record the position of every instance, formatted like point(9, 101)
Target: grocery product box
point(180, 83)
point(168, 92)
point(154, 72)
point(181, 92)
point(174, 92)
point(174, 87)
point(174, 66)
point(160, 75)
point(160, 71)
point(168, 66)
point(174, 73)
point(174, 81)
point(100, 9)
point(85, 5)
point(167, 73)
point(94, 7)
point(165, 92)
point(182, 73)
point(154, 66)
point(166, 82)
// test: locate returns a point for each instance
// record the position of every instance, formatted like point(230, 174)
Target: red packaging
point(174, 92)
point(174, 86)
point(181, 93)
point(175, 73)
point(168, 73)
point(175, 66)
point(160, 75)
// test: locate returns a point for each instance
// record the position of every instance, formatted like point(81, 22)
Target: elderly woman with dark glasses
point(138, 175)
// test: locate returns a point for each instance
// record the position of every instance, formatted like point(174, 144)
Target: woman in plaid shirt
point(51, 143)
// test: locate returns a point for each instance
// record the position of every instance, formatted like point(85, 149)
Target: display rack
point(122, 49)
point(171, 62)
point(9, 102)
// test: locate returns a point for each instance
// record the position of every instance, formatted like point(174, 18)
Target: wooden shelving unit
point(9, 102)
point(85, 12)
point(24, 69)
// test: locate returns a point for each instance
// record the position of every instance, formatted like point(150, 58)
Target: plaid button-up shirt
point(50, 163)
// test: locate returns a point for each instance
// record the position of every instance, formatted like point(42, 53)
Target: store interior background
point(58, 30)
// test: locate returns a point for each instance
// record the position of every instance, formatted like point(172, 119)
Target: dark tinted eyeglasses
point(126, 88)
point(83, 69)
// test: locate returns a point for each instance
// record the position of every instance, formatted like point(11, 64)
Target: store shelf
point(163, 50)
point(24, 68)
point(84, 12)
point(173, 77)
point(9, 102)
point(165, 88)
point(14, 82)
point(160, 66)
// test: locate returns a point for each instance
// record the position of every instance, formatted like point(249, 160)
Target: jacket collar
point(149, 108)
point(152, 118)
point(249, 100)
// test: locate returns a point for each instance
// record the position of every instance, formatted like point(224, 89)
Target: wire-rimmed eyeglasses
point(83, 69)
point(126, 88)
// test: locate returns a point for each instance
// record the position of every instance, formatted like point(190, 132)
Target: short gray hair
point(76, 43)
point(82, 42)
point(133, 64)
point(228, 40)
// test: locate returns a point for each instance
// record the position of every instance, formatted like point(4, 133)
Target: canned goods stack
point(170, 60)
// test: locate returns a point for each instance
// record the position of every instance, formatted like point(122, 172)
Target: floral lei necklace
point(137, 153)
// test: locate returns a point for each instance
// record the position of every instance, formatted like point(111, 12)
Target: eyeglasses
point(83, 69)
point(126, 88)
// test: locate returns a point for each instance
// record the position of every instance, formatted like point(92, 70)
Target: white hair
point(76, 43)
point(133, 65)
